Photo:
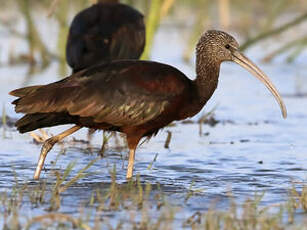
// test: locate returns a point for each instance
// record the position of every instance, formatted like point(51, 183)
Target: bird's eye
point(227, 46)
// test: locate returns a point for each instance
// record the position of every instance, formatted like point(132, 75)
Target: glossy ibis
point(133, 97)
point(103, 32)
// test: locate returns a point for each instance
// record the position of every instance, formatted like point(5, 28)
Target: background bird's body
point(104, 32)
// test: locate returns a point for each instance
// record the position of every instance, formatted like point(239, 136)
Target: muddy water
point(252, 148)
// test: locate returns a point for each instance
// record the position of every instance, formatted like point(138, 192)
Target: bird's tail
point(33, 118)
point(24, 91)
point(30, 122)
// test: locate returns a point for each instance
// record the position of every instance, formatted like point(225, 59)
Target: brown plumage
point(103, 32)
point(108, 96)
point(133, 97)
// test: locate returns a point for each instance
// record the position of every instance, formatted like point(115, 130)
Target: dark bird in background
point(104, 32)
point(137, 98)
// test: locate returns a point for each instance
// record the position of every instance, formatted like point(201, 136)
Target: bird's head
point(217, 46)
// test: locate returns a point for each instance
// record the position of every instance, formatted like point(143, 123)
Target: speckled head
point(214, 47)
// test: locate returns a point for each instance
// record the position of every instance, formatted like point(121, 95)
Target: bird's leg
point(90, 134)
point(116, 140)
point(130, 164)
point(104, 143)
point(47, 146)
point(133, 141)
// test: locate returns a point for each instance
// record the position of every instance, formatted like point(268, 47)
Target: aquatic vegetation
point(138, 205)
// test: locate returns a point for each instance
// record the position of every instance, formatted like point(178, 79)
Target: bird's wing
point(120, 93)
point(128, 41)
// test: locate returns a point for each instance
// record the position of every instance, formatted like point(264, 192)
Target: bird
point(106, 31)
point(137, 98)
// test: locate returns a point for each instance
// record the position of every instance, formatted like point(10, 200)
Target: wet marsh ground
point(247, 170)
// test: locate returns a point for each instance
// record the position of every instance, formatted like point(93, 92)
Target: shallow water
point(252, 149)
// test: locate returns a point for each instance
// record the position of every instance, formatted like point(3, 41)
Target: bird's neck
point(202, 87)
point(207, 78)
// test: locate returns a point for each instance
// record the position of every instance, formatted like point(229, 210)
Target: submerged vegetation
point(138, 205)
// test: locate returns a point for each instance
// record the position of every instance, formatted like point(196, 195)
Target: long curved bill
point(243, 61)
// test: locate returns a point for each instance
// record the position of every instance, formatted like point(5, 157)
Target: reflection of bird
point(133, 97)
point(104, 32)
